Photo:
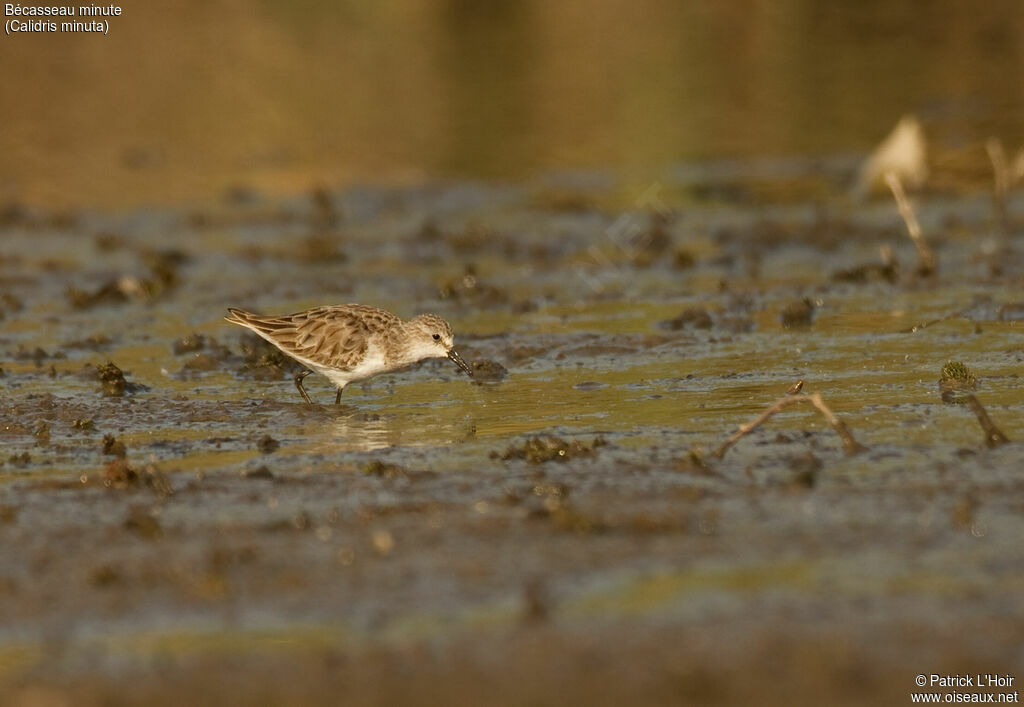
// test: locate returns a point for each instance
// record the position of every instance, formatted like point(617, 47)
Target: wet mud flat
point(179, 527)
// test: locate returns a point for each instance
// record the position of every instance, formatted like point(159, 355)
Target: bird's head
point(431, 337)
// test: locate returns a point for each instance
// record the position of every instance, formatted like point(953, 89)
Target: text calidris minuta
point(350, 342)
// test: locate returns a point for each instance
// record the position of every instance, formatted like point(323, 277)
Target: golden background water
point(181, 101)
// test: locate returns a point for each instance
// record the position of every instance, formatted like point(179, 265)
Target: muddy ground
point(179, 528)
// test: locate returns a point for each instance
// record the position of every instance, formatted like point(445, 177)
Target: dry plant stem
point(932, 322)
point(928, 262)
point(993, 435)
point(1000, 167)
point(850, 445)
point(1001, 174)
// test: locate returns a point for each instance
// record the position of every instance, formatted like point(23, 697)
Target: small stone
point(113, 446)
point(120, 474)
point(692, 318)
point(798, 314)
point(112, 379)
point(485, 370)
point(267, 444)
point(545, 448)
point(260, 472)
point(384, 470)
point(143, 524)
point(201, 362)
point(188, 344)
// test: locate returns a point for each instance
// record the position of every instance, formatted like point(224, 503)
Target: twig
point(932, 322)
point(993, 435)
point(1001, 178)
point(927, 256)
point(850, 445)
point(1018, 168)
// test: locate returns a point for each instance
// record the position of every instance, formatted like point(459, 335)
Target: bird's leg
point(337, 398)
point(298, 384)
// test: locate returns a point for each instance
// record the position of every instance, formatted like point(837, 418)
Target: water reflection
point(179, 104)
point(358, 431)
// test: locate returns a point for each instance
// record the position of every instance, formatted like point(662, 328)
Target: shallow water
point(392, 522)
point(620, 204)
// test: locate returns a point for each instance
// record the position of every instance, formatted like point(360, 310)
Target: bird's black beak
point(454, 356)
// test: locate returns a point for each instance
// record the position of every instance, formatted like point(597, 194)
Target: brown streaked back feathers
point(334, 335)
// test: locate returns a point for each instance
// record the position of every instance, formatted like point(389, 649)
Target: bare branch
point(925, 254)
point(850, 445)
point(993, 435)
point(1002, 178)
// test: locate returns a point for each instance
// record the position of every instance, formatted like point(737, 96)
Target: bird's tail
point(267, 327)
point(240, 316)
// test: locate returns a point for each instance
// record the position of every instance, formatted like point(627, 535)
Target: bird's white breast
point(371, 364)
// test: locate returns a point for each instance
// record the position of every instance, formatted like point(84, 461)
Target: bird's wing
point(336, 336)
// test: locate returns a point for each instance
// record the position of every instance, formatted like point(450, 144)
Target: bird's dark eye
point(437, 337)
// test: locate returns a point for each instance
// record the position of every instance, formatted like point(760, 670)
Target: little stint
point(350, 342)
